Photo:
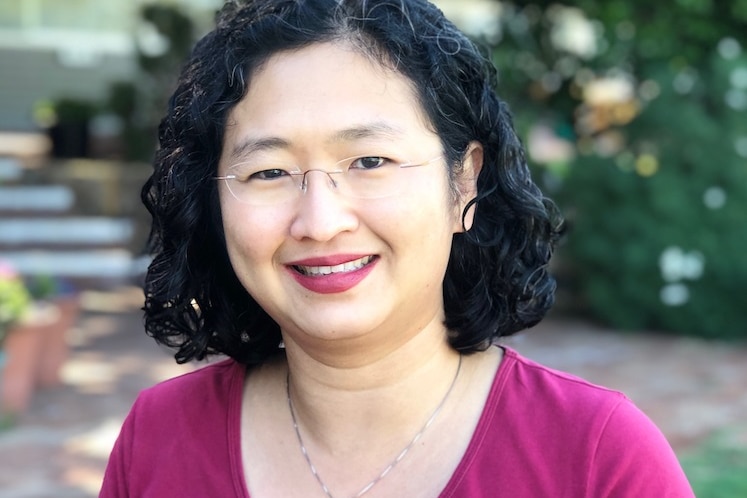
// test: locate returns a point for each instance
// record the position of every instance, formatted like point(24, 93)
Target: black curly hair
point(497, 280)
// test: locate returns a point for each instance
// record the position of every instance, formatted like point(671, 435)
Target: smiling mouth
point(313, 271)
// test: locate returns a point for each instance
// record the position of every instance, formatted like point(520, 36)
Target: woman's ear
point(467, 183)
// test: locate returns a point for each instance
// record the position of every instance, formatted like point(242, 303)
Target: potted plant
point(35, 345)
point(58, 300)
point(14, 303)
point(69, 119)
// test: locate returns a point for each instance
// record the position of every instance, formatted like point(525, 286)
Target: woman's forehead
point(327, 91)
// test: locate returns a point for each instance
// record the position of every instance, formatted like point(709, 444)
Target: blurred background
point(634, 116)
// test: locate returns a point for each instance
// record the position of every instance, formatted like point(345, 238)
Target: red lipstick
point(332, 274)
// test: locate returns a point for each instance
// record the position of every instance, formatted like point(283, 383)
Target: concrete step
point(10, 169)
point(36, 198)
point(77, 220)
point(94, 264)
point(77, 231)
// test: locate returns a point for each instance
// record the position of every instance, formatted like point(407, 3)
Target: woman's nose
point(322, 211)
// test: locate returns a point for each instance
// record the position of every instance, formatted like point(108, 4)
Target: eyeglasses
point(366, 177)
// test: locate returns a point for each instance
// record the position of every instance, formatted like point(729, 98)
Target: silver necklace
point(394, 462)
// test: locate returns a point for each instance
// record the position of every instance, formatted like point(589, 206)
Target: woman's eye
point(369, 162)
point(268, 174)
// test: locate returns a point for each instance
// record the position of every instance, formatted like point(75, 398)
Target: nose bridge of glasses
point(304, 185)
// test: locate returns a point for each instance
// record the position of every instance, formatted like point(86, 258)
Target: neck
point(402, 454)
point(342, 404)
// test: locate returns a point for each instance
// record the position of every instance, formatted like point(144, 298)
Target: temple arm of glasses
point(426, 163)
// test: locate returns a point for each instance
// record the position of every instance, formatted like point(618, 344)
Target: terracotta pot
point(21, 347)
point(55, 348)
point(35, 351)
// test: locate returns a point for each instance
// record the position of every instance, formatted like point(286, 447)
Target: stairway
point(77, 220)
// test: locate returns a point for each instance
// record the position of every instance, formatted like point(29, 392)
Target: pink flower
point(7, 271)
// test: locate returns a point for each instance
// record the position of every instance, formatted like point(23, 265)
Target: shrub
point(655, 185)
point(658, 236)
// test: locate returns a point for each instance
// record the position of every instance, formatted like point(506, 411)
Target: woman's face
point(325, 265)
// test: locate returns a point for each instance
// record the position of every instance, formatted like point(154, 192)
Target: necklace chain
point(394, 462)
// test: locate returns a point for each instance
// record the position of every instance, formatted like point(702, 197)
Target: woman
point(341, 206)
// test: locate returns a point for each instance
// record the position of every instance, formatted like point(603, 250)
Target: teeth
point(327, 270)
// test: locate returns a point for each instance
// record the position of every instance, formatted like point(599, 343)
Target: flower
point(14, 298)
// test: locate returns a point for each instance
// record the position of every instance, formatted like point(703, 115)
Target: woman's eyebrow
point(369, 130)
point(249, 146)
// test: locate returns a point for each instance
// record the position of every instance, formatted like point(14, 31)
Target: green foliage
point(693, 202)
point(656, 192)
point(122, 99)
point(138, 135)
point(43, 287)
point(716, 468)
point(69, 110)
point(141, 103)
point(14, 298)
point(177, 28)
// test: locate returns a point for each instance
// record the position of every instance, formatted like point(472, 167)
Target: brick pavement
point(59, 449)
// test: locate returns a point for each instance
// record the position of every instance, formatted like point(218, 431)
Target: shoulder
point(185, 404)
point(534, 395)
point(526, 381)
point(573, 429)
point(208, 386)
point(180, 437)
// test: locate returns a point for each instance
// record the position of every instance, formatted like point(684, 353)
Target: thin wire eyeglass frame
point(303, 184)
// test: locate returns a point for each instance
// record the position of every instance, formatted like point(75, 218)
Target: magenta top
point(542, 433)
